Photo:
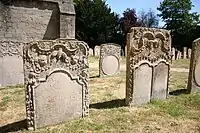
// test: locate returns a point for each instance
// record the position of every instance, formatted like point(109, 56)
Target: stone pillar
point(189, 53)
point(184, 52)
point(173, 53)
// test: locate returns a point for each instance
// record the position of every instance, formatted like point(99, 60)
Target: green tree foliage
point(183, 24)
point(148, 19)
point(95, 23)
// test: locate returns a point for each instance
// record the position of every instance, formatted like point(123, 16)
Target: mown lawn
point(180, 113)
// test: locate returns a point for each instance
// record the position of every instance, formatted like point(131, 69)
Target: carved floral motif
point(44, 57)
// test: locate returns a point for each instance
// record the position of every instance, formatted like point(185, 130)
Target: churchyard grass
point(180, 113)
point(181, 63)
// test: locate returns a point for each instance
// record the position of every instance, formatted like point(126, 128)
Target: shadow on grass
point(109, 104)
point(96, 76)
point(178, 92)
point(14, 127)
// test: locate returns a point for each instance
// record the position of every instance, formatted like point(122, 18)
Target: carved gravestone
point(97, 50)
point(148, 58)
point(109, 63)
point(56, 84)
point(194, 73)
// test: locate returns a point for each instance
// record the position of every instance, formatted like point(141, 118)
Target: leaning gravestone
point(56, 84)
point(109, 63)
point(97, 50)
point(194, 73)
point(148, 58)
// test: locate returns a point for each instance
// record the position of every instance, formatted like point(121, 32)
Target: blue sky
point(119, 6)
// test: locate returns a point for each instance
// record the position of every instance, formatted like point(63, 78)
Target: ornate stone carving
point(10, 48)
point(194, 78)
point(145, 45)
point(109, 63)
point(42, 58)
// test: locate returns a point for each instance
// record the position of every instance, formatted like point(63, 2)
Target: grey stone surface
point(97, 51)
point(173, 53)
point(189, 53)
point(91, 52)
point(142, 84)
point(23, 21)
point(56, 73)
point(194, 76)
point(109, 63)
point(160, 81)
point(184, 52)
point(147, 46)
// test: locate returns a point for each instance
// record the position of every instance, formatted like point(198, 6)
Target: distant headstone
point(173, 53)
point(97, 50)
point(148, 59)
point(126, 51)
point(109, 59)
point(91, 52)
point(184, 52)
point(189, 53)
point(55, 81)
point(194, 73)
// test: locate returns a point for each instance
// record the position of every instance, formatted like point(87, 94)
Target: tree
point(176, 14)
point(149, 19)
point(95, 23)
point(129, 20)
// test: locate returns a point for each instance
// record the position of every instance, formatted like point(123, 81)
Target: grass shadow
point(109, 104)
point(14, 127)
point(96, 76)
point(178, 92)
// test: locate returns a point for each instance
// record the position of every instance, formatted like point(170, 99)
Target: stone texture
point(91, 52)
point(56, 73)
point(23, 21)
point(148, 64)
point(109, 63)
point(184, 52)
point(189, 53)
point(97, 51)
point(194, 76)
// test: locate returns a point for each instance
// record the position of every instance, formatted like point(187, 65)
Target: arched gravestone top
point(109, 59)
point(50, 60)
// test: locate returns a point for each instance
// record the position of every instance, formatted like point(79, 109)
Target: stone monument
point(109, 63)
point(148, 64)
point(97, 51)
point(23, 21)
point(194, 73)
point(56, 74)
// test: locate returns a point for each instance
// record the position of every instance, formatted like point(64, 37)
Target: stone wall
point(23, 21)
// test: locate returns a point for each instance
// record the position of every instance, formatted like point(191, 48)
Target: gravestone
point(109, 63)
point(97, 51)
point(148, 64)
point(189, 53)
point(56, 83)
point(184, 52)
point(91, 52)
point(194, 73)
point(23, 21)
point(125, 51)
point(173, 53)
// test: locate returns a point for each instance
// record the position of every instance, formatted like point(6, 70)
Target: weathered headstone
point(125, 51)
point(173, 53)
point(97, 50)
point(194, 73)
point(189, 53)
point(23, 21)
point(91, 52)
point(109, 63)
point(178, 56)
point(56, 83)
point(148, 64)
point(184, 52)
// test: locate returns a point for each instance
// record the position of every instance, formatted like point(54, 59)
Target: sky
point(119, 6)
